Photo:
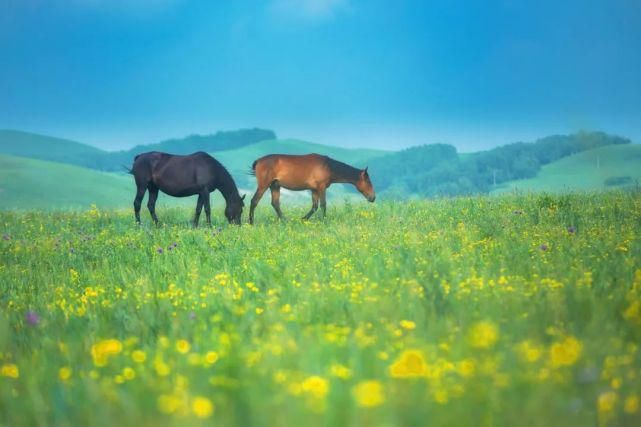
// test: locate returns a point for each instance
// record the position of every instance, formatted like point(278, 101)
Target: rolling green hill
point(599, 168)
point(25, 144)
point(29, 183)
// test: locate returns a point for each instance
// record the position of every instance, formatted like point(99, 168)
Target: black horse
point(182, 176)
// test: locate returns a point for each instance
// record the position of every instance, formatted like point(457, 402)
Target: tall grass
point(511, 310)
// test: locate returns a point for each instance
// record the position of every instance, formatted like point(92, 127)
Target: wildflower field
point(509, 310)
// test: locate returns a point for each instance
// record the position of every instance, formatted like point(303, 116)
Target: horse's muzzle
point(371, 199)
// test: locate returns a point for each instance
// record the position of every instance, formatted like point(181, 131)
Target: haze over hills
point(43, 172)
point(25, 144)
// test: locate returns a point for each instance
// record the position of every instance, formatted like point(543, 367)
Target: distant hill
point(29, 183)
point(24, 144)
point(585, 160)
point(600, 168)
point(438, 170)
point(220, 141)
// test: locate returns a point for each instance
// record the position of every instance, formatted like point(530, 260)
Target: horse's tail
point(131, 169)
point(253, 171)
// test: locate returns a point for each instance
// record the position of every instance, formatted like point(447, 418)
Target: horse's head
point(364, 185)
point(234, 210)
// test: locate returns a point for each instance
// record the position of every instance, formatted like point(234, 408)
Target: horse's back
point(291, 160)
point(294, 172)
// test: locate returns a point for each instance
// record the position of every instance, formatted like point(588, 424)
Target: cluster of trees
point(24, 144)
point(223, 140)
point(438, 170)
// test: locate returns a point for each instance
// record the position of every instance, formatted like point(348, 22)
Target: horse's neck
point(228, 188)
point(343, 173)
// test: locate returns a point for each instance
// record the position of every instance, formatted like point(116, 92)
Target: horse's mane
point(342, 170)
point(227, 184)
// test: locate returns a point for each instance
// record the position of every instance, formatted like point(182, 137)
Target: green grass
point(484, 310)
point(588, 170)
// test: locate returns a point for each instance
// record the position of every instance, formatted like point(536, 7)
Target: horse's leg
point(199, 208)
point(205, 197)
point(259, 193)
point(275, 188)
point(323, 202)
point(314, 205)
point(140, 193)
point(151, 202)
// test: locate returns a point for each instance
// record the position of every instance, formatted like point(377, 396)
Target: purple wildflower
point(32, 318)
point(159, 250)
point(517, 212)
point(72, 250)
point(6, 237)
point(192, 316)
point(543, 247)
point(571, 230)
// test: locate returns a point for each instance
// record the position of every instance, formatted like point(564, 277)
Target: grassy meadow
point(507, 310)
point(597, 169)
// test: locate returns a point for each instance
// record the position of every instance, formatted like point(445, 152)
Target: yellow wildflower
point(466, 368)
point(340, 371)
point(10, 370)
point(64, 373)
point(565, 352)
point(631, 404)
point(606, 401)
point(128, 373)
point(316, 386)
point(211, 357)
point(528, 351)
point(369, 394)
point(101, 351)
point(161, 367)
point(483, 335)
point(138, 356)
point(407, 324)
point(633, 312)
point(410, 364)
point(202, 407)
point(183, 346)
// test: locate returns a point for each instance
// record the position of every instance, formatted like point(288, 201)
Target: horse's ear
point(365, 170)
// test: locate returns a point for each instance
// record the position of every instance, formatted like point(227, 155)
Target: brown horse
point(308, 172)
point(182, 176)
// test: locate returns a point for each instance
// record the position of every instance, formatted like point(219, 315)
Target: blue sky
point(354, 73)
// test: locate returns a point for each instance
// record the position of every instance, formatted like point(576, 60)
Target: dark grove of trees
point(438, 170)
point(223, 140)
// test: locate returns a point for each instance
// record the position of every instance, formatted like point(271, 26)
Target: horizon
point(293, 138)
point(345, 73)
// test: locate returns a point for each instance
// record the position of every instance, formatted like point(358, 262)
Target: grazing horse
point(182, 176)
point(308, 172)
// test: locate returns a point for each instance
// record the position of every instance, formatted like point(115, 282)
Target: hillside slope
point(596, 169)
point(25, 144)
point(29, 183)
